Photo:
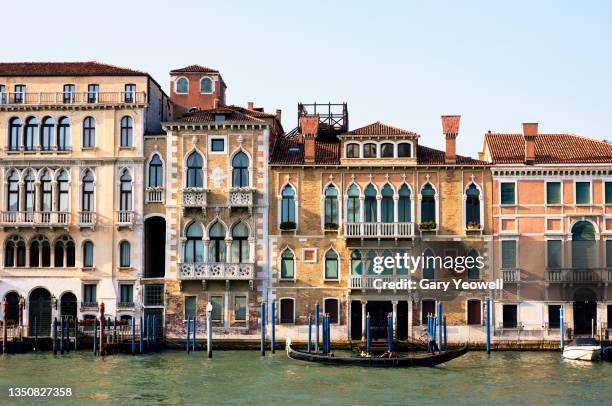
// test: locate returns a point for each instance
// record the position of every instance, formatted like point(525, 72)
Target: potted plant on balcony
point(427, 225)
point(473, 225)
point(287, 225)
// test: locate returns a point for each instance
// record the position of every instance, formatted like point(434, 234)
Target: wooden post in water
point(209, 330)
point(62, 335)
point(440, 326)
point(55, 336)
point(317, 327)
point(4, 319)
point(390, 332)
point(488, 324)
point(193, 343)
point(309, 330)
point(445, 348)
point(324, 334)
point(102, 329)
point(95, 336)
point(155, 333)
point(273, 324)
point(67, 335)
point(133, 336)
point(76, 332)
point(562, 327)
point(263, 328)
point(188, 335)
point(35, 334)
point(140, 333)
point(368, 334)
point(328, 333)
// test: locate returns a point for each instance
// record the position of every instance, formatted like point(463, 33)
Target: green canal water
point(243, 377)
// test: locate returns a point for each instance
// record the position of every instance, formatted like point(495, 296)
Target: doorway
point(585, 311)
point(39, 314)
point(155, 247)
point(378, 312)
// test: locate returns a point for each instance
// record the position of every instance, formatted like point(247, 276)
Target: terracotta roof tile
point(91, 68)
point(430, 156)
point(289, 150)
point(231, 115)
point(549, 149)
point(379, 128)
point(194, 69)
point(450, 124)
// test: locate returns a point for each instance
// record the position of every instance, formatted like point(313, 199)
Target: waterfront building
point(552, 223)
point(71, 208)
point(340, 197)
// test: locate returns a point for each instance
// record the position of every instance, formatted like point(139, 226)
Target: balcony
point(125, 218)
point(35, 219)
point(194, 197)
point(89, 306)
point(241, 197)
point(378, 230)
point(367, 281)
point(87, 219)
point(155, 194)
point(23, 150)
point(125, 305)
point(223, 271)
point(512, 275)
point(577, 275)
point(13, 101)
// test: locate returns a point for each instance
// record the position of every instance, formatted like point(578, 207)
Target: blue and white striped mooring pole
point(273, 325)
point(562, 327)
point(390, 332)
point(317, 327)
point(488, 324)
point(133, 336)
point(368, 334)
point(263, 328)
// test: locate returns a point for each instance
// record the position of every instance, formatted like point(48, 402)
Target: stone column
point(394, 319)
point(205, 253)
point(363, 319)
point(228, 251)
point(410, 317)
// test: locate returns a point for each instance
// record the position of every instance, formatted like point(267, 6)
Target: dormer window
point(219, 117)
point(352, 150)
point(369, 150)
point(404, 150)
point(386, 150)
point(294, 149)
point(206, 85)
point(182, 85)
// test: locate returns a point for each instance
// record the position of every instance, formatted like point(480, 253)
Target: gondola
point(425, 360)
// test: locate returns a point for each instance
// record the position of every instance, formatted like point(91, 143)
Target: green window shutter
point(190, 307)
point(217, 307)
point(554, 254)
point(553, 193)
point(508, 260)
point(240, 308)
point(608, 192)
point(508, 193)
point(583, 193)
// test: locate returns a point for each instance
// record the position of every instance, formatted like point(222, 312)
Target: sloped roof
point(232, 115)
point(379, 128)
point(194, 69)
point(90, 68)
point(431, 156)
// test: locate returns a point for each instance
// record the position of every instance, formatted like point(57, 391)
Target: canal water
point(243, 377)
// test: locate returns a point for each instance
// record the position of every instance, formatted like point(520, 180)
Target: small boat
point(583, 349)
point(606, 354)
point(424, 360)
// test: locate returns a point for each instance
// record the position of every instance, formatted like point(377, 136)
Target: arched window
point(370, 262)
point(356, 265)
point(70, 253)
point(428, 204)
point(30, 192)
point(331, 207)
point(194, 248)
point(88, 254)
point(472, 270)
point(370, 209)
point(12, 191)
point(182, 85)
point(195, 176)
point(87, 191)
point(45, 186)
point(12, 304)
point(45, 253)
point(369, 150)
point(584, 249)
point(287, 264)
point(48, 134)
point(331, 264)
point(14, 252)
point(352, 150)
point(62, 191)
point(14, 134)
point(240, 170)
point(125, 198)
point(472, 206)
point(126, 131)
point(428, 264)
point(34, 254)
point(206, 85)
point(403, 205)
point(387, 211)
point(353, 209)
point(217, 246)
point(59, 254)
point(156, 177)
point(40, 252)
point(240, 243)
point(63, 134)
point(386, 150)
point(124, 254)
point(89, 132)
point(31, 134)
point(387, 270)
point(288, 207)
point(64, 246)
point(404, 150)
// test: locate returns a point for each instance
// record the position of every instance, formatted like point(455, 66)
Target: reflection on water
point(240, 377)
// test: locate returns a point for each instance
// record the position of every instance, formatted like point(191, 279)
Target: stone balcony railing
point(125, 218)
point(241, 197)
point(367, 281)
point(224, 271)
point(194, 197)
point(35, 219)
point(579, 275)
point(511, 275)
point(20, 99)
point(87, 218)
point(89, 306)
point(155, 194)
point(125, 305)
point(378, 230)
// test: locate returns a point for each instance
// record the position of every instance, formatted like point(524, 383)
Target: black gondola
point(425, 360)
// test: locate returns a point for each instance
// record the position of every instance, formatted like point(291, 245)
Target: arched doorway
point(584, 249)
point(68, 306)
point(155, 247)
point(585, 310)
point(12, 308)
point(39, 315)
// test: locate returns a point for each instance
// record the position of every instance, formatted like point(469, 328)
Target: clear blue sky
point(403, 63)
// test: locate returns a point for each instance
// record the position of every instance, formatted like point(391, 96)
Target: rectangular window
point(509, 316)
point(554, 318)
point(553, 192)
point(2, 94)
point(92, 93)
point(217, 145)
point(474, 312)
point(240, 308)
point(331, 307)
point(554, 254)
point(20, 91)
point(217, 308)
point(508, 195)
point(89, 293)
point(130, 93)
point(609, 315)
point(190, 307)
point(154, 295)
point(609, 256)
point(127, 294)
point(508, 249)
point(69, 93)
point(608, 192)
point(583, 193)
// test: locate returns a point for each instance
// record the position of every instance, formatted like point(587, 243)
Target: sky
point(403, 63)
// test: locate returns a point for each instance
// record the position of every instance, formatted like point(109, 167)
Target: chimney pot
point(530, 131)
point(450, 129)
point(278, 114)
point(309, 126)
point(250, 105)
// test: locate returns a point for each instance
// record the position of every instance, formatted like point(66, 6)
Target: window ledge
point(88, 148)
point(88, 268)
point(554, 204)
point(125, 268)
point(583, 204)
point(331, 280)
point(126, 148)
point(508, 205)
point(287, 280)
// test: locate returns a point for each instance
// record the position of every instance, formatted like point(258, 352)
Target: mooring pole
point(309, 330)
point(326, 321)
point(140, 333)
point(389, 332)
point(61, 324)
point(444, 321)
point(76, 332)
point(263, 328)
point(368, 334)
point(67, 336)
point(440, 326)
point(55, 336)
point(155, 333)
point(148, 334)
point(209, 331)
point(193, 344)
point(95, 336)
point(188, 334)
point(35, 334)
point(562, 327)
point(273, 325)
point(317, 327)
point(102, 352)
point(133, 336)
point(488, 324)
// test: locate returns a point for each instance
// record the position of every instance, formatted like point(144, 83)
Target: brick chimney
point(250, 105)
point(530, 130)
point(279, 114)
point(450, 129)
point(309, 125)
